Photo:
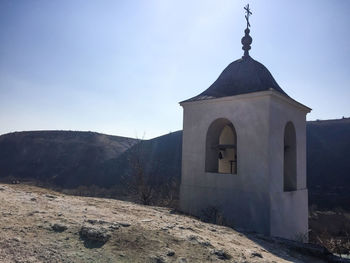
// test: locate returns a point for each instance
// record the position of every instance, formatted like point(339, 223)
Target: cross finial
point(247, 39)
point(248, 13)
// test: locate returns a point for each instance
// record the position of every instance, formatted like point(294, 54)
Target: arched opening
point(221, 148)
point(290, 159)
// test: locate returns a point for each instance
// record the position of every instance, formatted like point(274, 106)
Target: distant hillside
point(160, 158)
point(70, 159)
point(63, 157)
point(328, 165)
point(328, 152)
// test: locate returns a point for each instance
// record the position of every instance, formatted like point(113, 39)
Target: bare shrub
point(212, 214)
point(301, 237)
point(331, 229)
point(144, 180)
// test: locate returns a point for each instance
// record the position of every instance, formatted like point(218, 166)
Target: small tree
point(144, 177)
point(137, 179)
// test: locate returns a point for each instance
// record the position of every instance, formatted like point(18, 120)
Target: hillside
point(39, 225)
point(328, 166)
point(160, 159)
point(65, 158)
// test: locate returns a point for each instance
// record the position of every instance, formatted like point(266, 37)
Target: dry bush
point(143, 179)
point(212, 214)
point(330, 229)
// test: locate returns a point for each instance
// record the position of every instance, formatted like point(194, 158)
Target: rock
point(124, 224)
point(170, 253)
point(114, 226)
point(2, 189)
point(187, 227)
point(256, 254)
point(51, 196)
point(7, 214)
point(32, 213)
point(59, 227)
point(146, 220)
point(182, 260)
point(166, 228)
point(17, 239)
point(206, 243)
point(221, 254)
point(157, 259)
point(94, 234)
point(33, 199)
point(94, 221)
point(192, 238)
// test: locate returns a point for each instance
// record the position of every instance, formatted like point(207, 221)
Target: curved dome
point(242, 76)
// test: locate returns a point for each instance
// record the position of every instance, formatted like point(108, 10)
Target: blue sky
point(121, 67)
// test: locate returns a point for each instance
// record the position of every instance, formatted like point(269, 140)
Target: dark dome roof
point(242, 76)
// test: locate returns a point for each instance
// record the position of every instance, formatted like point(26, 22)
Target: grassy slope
point(137, 233)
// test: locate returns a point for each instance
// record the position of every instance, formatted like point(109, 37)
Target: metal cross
point(248, 13)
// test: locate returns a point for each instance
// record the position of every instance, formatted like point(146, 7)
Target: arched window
point(290, 158)
point(221, 150)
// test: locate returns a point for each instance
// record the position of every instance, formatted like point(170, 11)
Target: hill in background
point(328, 165)
point(66, 158)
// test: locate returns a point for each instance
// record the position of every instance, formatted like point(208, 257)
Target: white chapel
point(244, 151)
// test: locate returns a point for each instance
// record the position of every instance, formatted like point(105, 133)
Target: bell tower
point(244, 151)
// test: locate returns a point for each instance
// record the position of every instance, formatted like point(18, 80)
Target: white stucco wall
point(289, 210)
point(246, 199)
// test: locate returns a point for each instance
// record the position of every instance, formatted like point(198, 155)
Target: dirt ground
point(39, 225)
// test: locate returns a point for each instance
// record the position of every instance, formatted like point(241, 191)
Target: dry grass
point(154, 235)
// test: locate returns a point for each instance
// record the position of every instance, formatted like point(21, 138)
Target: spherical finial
point(246, 42)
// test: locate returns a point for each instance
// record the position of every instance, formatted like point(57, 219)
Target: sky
point(121, 67)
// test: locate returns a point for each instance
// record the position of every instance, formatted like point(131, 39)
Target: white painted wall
point(253, 198)
point(289, 210)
